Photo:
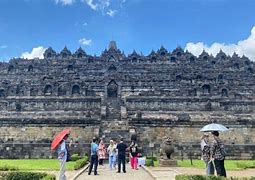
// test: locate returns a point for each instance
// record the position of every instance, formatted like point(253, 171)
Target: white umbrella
point(214, 127)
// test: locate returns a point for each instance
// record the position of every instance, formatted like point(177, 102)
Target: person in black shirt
point(121, 147)
point(133, 155)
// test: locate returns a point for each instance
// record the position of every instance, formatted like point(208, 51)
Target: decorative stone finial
point(112, 45)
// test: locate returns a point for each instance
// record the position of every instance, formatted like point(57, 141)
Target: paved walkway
point(106, 174)
point(162, 173)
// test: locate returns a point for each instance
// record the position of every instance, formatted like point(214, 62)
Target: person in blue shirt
point(62, 156)
point(93, 157)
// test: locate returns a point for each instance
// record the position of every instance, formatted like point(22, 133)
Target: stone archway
point(48, 90)
point(112, 89)
point(76, 90)
point(206, 89)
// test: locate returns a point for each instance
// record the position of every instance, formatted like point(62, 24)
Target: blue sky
point(27, 27)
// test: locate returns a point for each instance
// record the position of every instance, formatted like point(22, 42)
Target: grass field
point(229, 164)
point(34, 164)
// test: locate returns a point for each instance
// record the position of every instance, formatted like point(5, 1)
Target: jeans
point(219, 166)
point(122, 160)
point(62, 175)
point(209, 168)
point(93, 161)
point(112, 161)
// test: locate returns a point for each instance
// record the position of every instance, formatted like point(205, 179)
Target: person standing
point(217, 150)
point(121, 149)
point(93, 157)
point(101, 152)
point(112, 154)
point(62, 157)
point(115, 162)
point(133, 149)
point(206, 155)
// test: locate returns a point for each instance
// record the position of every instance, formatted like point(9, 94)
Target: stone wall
point(12, 150)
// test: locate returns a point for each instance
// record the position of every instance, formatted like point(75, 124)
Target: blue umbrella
point(214, 127)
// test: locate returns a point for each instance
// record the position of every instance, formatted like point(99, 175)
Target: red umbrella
point(59, 137)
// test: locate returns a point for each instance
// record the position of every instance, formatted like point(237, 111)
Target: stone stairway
point(114, 129)
point(113, 109)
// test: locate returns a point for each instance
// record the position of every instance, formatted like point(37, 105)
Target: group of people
point(213, 154)
point(116, 153)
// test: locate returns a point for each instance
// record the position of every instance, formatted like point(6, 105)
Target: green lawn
point(34, 164)
point(229, 164)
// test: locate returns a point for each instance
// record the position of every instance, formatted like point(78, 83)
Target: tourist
point(218, 156)
point(93, 157)
point(133, 149)
point(112, 154)
point(101, 152)
point(62, 157)
point(121, 148)
point(206, 155)
point(115, 164)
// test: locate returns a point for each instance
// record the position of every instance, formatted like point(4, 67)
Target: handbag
point(68, 155)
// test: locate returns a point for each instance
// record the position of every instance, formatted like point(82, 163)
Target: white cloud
point(36, 52)
point(86, 42)
point(3, 46)
point(98, 4)
point(91, 4)
point(85, 24)
point(111, 13)
point(65, 2)
point(243, 47)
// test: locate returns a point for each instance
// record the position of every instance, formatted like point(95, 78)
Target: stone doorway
point(112, 89)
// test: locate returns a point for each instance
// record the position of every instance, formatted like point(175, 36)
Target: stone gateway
point(162, 94)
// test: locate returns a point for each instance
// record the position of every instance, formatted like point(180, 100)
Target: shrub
point(151, 157)
point(81, 162)
point(8, 168)
point(149, 162)
point(75, 157)
point(201, 177)
point(49, 177)
point(27, 176)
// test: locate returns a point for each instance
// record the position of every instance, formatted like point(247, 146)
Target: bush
point(150, 160)
point(27, 176)
point(75, 157)
point(49, 177)
point(81, 162)
point(151, 157)
point(201, 177)
point(8, 168)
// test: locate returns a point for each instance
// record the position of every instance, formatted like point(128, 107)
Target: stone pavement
point(162, 173)
point(106, 174)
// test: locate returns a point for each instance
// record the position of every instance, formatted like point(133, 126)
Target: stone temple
point(162, 94)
